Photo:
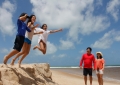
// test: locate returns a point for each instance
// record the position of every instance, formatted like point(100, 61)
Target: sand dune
point(28, 74)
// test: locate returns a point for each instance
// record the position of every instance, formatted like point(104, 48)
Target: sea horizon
point(107, 66)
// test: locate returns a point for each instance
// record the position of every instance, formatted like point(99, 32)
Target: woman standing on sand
point(100, 63)
point(27, 41)
point(19, 40)
point(43, 38)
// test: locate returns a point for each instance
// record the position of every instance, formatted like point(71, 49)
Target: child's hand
point(41, 32)
point(102, 69)
point(81, 67)
point(36, 25)
point(60, 29)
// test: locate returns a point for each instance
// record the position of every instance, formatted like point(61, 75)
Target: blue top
point(22, 27)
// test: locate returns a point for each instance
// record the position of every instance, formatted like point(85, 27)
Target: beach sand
point(65, 78)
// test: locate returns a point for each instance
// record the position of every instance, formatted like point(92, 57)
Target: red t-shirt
point(87, 59)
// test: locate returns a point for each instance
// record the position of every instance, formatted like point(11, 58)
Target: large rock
point(28, 74)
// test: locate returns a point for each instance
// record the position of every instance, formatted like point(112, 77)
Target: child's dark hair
point(29, 19)
point(100, 57)
point(23, 14)
point(43, 26)
point(89, 48)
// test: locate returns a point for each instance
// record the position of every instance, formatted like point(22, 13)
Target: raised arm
point(22, 17)
point(54, 31)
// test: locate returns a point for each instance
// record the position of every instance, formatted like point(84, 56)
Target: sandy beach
point(65, 78)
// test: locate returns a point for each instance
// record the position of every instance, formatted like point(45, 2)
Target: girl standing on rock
point(42, 40)
point(19, 40)
point(27, 41)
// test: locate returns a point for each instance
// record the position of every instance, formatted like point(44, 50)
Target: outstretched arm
point(54, 31)
point(35, 26)
point(38, 33)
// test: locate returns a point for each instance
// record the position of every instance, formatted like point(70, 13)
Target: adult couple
point(88, 59)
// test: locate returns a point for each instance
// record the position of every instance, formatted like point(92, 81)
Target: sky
point(85, 23)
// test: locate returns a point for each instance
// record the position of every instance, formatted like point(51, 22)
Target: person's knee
point(100, 77)
point(44, 52)
point(90, 77)
point(27, 52)
point(22, 52)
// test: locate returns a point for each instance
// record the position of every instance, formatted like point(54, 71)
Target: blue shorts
point(27, 41)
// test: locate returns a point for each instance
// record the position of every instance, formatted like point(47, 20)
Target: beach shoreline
point(74, 75)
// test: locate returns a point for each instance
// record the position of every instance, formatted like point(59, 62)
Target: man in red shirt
point(88, 59)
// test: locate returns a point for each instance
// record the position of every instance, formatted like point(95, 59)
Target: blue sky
point(94, 23)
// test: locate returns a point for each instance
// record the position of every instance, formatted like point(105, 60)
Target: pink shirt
point(99, 63)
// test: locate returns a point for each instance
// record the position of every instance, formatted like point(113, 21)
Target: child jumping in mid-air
point(19, 40)
point(42, 40)
point(100, 63)
point(27, 42)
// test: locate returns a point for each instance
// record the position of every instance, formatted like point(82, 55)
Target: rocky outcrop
point(28, 74)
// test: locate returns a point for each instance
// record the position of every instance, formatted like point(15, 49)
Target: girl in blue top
point(19, 40)
point(27, 42)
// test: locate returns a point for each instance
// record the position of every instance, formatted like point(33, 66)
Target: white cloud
point(6, 13)
point(62, 55)
point(4, 50)
point(76, 16)
point(65, 45)
point(117, 38)
point(99, 2)
point(107, 40)
point(82, 51)
point(51, 48)
point(113, 8)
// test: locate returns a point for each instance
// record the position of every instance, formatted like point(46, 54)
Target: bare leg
point(90, 80)
point(25, 54)
point(20, 53)
point(12, 53)
point(85, 79)
point(42, 47)
point(13, 60)
point(98, 75)
point(101, 79)
point(45, 47)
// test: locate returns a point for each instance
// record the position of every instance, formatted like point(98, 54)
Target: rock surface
point(28, 74)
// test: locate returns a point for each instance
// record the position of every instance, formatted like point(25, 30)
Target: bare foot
point(35, 47)
point(12, 63)
point(5, 60)
point(19, 64)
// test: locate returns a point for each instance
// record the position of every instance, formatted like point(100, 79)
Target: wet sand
point(73, 76)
